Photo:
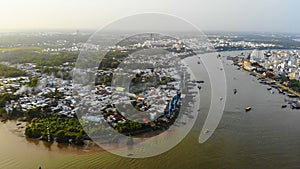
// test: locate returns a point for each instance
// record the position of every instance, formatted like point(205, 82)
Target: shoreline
point(259, 75)
point(16, 131)
point(289, 90)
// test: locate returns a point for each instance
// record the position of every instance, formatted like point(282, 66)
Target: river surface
point(266, 137)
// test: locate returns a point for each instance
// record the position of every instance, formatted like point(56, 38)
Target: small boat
point(283, 106)
point(234, 91)
point(199, 81)
point(274, 86)
point(252, 74)
point(295, 105)
point(262, 81)
point(292, 95)
point(285, 90)
point(248, 108)
point(199, 87)
point(206, 131)
point(269, 88)
point(198, 62)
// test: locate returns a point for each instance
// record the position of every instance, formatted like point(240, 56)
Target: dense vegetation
point(14, 113)
point(6, 98)
point(139, 84)
point(7, 71)
point(129, 126)
point(41, 59)
point(59, 128)
point(295, 85)
point(112, 60)
point(47, 63)
point(33, 82)
point(3, 114)
point(18, 55)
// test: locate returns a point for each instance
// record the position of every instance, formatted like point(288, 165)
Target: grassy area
point(25, 48)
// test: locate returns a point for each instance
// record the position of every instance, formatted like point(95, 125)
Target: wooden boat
point(248, 108)
point(292, 95)
point(199, 81)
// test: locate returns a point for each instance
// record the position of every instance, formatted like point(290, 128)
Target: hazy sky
point(223, 15)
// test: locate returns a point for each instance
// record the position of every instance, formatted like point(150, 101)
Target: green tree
point(3, 113)
point(33, 82)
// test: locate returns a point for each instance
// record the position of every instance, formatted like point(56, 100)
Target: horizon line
point(91, 30)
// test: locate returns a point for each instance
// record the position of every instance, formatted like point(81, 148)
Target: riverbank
point(16, 129)
point(273, 77)
point(289, 90)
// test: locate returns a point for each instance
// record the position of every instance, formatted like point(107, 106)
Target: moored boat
point(295, 105)
point(292, 95)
